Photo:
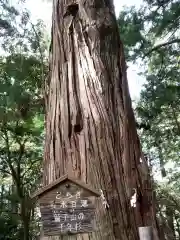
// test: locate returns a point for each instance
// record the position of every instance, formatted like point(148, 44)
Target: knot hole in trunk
point(79, 123)
point(72, 9)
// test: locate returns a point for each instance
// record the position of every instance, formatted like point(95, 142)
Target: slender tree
point(90, 125)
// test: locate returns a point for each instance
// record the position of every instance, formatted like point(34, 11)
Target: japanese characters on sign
point(71, 214)
point(68, 212)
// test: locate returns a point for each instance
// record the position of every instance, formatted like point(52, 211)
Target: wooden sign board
point(67, 207)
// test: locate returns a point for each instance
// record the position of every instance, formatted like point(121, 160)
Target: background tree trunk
point(90, 126)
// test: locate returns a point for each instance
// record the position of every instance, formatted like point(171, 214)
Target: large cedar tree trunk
point(90, 126)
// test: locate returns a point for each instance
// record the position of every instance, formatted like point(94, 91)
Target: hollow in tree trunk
point(90, 126)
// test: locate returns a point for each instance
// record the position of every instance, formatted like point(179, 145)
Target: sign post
point(145, 233)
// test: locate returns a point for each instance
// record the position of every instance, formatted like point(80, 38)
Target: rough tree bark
point(90, 126)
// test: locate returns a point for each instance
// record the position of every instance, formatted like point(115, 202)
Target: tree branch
point(5, 171)
point(30, 167)
point(161, 45)
point(10, 165)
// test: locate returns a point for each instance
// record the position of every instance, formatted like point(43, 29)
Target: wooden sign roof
point(62, 180)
